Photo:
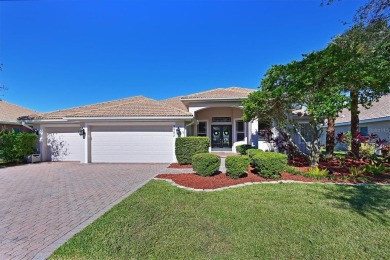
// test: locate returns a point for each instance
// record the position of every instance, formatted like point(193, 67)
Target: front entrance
point(221, 136)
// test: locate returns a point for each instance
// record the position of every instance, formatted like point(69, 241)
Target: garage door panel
point(137, 144)
point(64, 146)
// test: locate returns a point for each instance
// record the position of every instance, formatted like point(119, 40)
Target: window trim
point(237, 132)
point(207, 127)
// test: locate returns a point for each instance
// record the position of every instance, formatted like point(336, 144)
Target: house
point(143, 130)
point(375, 120)
point(9, 114)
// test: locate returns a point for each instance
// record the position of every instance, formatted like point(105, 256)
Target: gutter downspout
point(27, 126)
point(192, 122)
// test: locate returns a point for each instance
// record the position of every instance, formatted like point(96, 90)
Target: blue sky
point(61, 54)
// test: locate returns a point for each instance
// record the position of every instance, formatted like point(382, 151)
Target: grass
point(282, 221)
point(336, 153)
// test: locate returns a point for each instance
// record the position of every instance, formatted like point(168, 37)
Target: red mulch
point(178, 166)
point(222, 180)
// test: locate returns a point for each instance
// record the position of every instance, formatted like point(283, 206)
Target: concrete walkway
point(43, 205)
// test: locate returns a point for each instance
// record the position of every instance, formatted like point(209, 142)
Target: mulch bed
point(178, 166)
point(222, 180)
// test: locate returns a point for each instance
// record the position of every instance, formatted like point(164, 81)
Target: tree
point(371, 12)
point(363, 55)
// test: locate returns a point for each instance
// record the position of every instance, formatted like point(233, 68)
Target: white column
point(254, 132)
point(43, 143)
point(87, 144)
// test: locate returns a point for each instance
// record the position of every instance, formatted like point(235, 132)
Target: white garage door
point(64, 145)
point(132, 144)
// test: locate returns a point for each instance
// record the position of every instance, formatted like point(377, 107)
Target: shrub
point(317, 173)
point(205, 164)
point(253, 152)
point(375, 169)
point(270, 164)
point(242, 149)
point(16, 146)
point(366, 150)
point(356, 171)
point(236, 165)
point(186, 147)
point(292, 170)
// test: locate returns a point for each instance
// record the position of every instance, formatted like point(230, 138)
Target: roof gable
point(221, 93)
point(10, 112)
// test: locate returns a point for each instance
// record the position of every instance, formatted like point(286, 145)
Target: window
point(221, 119)
point(202, 129)
point(306, 132)
point(364, 131)
point(16, 129)
point(240, 130)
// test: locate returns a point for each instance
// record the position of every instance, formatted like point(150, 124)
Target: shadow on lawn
point(370, 201)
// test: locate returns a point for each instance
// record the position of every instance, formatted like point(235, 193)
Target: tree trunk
point(355, 143)
point(330, 137)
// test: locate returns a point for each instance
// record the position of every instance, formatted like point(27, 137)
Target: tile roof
point(129, 107)
point(175, 102)
point(378, 110)
point(222, 93)
point(10, 112)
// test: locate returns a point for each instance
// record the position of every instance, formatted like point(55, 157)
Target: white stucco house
point(143, 130)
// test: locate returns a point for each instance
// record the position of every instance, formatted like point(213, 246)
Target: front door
point(221, 136)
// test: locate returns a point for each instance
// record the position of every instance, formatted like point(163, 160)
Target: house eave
point(212, 99)
point(365, 121)
point(85, 119)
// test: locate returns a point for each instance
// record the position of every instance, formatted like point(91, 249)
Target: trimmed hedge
point(186, 147)
point(270, 164)
point(236, 165)
point(242, 149)
point(253, 152)
point(205, 164)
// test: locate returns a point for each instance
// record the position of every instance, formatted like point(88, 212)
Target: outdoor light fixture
point(178, 132)
point(82, 131)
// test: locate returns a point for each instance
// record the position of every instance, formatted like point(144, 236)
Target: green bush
point(253, 152)
point(270, 164)
point(186, 147)
point(236, 165)
point(317, 173)
point(242, 149)
point(205, 164)
point(16, 146)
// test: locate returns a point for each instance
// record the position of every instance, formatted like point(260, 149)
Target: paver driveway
point(43, 205)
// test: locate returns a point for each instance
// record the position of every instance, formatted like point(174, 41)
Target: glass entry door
point(221, 136)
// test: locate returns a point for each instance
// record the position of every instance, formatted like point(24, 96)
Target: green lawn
point(278, 221)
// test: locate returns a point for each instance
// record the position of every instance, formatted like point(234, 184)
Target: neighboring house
point(143, 130)
point(9, 114)
point(375, 120)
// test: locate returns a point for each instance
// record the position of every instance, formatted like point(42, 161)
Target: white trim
point(67, 119)
point(214, 99)
point(364, 121)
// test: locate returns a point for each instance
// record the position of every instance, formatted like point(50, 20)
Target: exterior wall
point(18, 126)
point(207, 114)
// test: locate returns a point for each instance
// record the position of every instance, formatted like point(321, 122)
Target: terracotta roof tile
point(10, 112)
point(378, 110)
point(175, 102)
point(232, 92)
point(129, 107)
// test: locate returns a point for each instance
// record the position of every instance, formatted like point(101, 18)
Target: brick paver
point(43, 205)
